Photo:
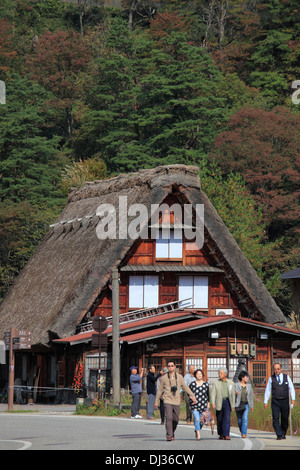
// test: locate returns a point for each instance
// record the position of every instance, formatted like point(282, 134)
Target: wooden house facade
point(199, 304)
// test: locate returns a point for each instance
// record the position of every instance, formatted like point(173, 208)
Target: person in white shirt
point(280, 387)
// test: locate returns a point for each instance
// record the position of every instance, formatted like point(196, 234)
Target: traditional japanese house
point(193, 300)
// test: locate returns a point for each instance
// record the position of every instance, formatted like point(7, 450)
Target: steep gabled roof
point(70, 267)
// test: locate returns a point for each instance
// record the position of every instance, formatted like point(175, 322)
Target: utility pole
point(15, 339)
point(116, 338)
point(99, 340)
point(11, 375)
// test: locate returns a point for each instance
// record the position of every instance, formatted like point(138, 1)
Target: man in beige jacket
point(223, 400)
point(170, 385)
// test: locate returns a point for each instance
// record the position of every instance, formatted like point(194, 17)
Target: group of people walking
point(164, 391)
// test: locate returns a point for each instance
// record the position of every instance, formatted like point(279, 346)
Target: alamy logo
point(134, 221)
point(295, 99)
point(296, 354)
point(2, 93)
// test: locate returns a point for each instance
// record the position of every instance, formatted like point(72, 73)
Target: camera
point(174, 389)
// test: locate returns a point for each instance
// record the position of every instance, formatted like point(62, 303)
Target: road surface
point(71, 432)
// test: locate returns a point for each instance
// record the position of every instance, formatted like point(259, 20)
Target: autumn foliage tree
point(242, 216)
point(7, 52)
point(153, 82)
point(264, 146)
point(165, 23)
point(56, 63)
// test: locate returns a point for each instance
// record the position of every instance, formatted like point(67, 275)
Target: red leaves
point(264, 147)
point(57, 60)
point(78, 378)
point(7, 53)
point(165, 23)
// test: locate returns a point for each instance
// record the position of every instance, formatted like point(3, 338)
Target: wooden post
point(290, 417)
point(11, 375)
point(116, 338)
point(99, 370)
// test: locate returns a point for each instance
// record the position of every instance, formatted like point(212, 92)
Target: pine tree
point(27, 153)
point(156, 103)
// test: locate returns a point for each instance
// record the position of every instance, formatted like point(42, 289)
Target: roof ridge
point(158, 176)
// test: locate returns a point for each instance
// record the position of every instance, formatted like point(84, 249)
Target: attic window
point(169, 246)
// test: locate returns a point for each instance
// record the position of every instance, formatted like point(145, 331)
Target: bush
point(101, 407)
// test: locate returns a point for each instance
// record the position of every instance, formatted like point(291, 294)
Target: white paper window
point(213, 366)
point(195, 288)
point(201, 291)
point(296, 370)
point(143, 291)
point(197, 362)
point(150, 291)
point(136, 291)
point(186, 290)
point(169, 246)
point(162, 247)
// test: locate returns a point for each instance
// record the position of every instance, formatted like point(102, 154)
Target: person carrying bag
point(244, 401)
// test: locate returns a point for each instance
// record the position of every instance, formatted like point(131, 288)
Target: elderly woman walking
point(244, 401)
point(200, 389)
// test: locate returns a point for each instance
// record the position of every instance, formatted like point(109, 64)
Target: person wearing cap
point(136, 391)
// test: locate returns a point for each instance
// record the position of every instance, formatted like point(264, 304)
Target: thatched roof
point(70, 267)
point(294, 274)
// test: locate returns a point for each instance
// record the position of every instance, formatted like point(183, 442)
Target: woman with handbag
point(200, 389)
point(244, 401)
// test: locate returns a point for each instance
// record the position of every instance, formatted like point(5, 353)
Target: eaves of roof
point(133, 325)
point(170, 329)
point(201, 323)
point(203, 268)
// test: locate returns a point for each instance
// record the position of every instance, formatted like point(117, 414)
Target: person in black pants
point(280, 387)
point(151, 390)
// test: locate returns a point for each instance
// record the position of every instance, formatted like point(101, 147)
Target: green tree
point(32, 17)
point(270, 62)
point(22, 226)
point(180, 107)
point(245, 220)
point(240, 213)
point(154, 103)
point(28, 152)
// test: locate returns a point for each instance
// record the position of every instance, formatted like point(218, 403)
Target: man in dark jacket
point(151, 390)
point(280, 387)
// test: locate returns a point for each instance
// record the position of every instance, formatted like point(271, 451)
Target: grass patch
point(21, 411)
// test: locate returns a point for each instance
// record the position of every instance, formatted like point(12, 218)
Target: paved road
point(56, 427)
point(65, 432)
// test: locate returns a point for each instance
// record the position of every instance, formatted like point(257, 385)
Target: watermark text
point(164, 221)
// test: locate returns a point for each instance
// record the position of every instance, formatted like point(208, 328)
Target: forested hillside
point(92, 91)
